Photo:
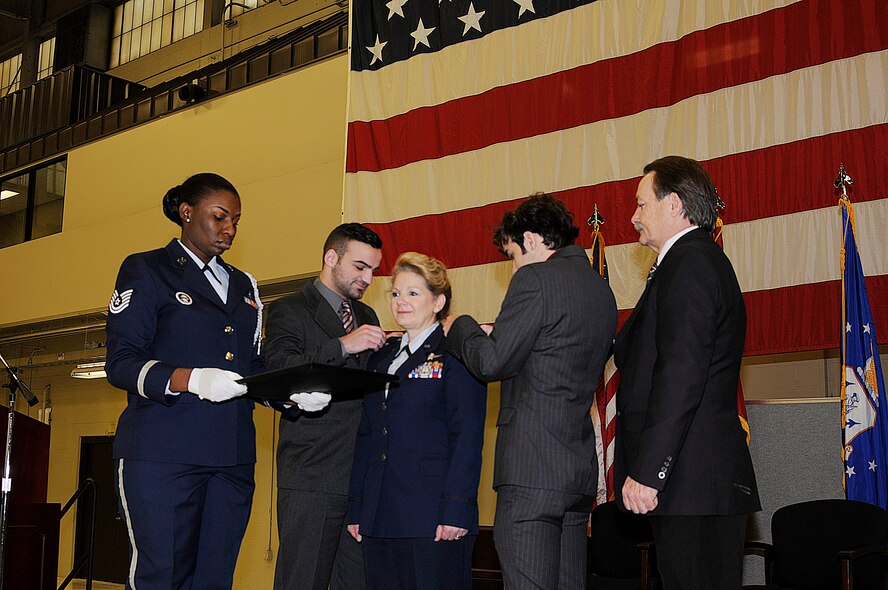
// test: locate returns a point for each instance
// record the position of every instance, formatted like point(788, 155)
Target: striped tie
point(652, 270)
point(345, 312)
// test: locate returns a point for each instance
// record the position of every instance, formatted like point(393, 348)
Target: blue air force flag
point(863, 388)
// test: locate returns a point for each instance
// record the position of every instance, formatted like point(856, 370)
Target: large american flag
point(458, 109)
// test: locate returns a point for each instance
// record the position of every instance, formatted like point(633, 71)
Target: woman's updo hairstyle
point(192, 191)
point(431, 270)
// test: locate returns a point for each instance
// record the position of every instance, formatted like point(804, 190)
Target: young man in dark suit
point(548, 347)
point(324, 323)
point(681, 453)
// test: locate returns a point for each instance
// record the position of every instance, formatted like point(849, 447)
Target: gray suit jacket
point(548, 347)
point(315, 450)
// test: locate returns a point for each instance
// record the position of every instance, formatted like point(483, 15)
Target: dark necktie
point(208, 268)
point(345, 312)
point(652, 270)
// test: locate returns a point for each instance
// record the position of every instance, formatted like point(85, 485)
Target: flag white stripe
point(798, 105)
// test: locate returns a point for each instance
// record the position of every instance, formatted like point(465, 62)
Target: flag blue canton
point(863, 389)
point(389, 31)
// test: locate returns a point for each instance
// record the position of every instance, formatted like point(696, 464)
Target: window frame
point(31, 198)
point(156, 26)
point(10, 74)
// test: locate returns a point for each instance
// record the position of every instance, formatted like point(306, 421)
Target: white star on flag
point(376, 50)
point(421, 35)
point(472, 19)
point(866, 329)
point(524, 6)
point(395, 7)
point(848, 328)
point(872, 465)
point(849, 471)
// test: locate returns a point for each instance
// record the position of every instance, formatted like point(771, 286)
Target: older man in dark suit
point(681, 453)
point(548, 347)
point(324, 323)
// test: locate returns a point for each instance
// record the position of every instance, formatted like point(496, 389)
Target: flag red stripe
point(758, 47)
point(817, 312)
point(817, 308)
point(791, 178)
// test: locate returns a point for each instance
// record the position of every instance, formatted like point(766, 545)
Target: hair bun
point(171, 204)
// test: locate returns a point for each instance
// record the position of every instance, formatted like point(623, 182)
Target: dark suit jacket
point(548, 347)
point(165, 314)
point(679, 358)
point(418, 454)
point(315, 449)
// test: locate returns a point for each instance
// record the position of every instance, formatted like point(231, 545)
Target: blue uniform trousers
point(185, 522)
point(418, 564)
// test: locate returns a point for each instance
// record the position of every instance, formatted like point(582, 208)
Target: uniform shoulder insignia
point(120, 301)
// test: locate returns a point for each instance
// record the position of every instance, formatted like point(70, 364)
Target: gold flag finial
point(596, 220)
point(843, 181)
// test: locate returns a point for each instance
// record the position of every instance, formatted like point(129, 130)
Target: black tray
point(340, 382)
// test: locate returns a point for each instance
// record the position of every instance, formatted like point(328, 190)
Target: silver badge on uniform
point(183, 298)
point(120, 301)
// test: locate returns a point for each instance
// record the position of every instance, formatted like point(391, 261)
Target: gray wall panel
point(796, 450)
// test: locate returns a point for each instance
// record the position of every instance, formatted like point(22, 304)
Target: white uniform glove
point(215, 385)
point(311, 401)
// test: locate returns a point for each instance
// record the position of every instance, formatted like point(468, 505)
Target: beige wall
point(814, 374)
point(282, 145)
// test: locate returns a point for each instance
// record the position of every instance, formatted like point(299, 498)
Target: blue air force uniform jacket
point(418, 453)
point(164, 314)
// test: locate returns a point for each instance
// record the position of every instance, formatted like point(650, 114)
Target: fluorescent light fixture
point(89, 371)
point(5, 194)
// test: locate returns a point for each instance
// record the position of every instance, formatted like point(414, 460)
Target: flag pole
point(596, 220)
point(842, 181)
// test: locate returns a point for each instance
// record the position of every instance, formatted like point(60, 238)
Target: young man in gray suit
point(324, 323)
point(681, 454)
point(548, 347)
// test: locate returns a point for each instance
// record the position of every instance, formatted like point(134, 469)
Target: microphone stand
point(15, 384)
